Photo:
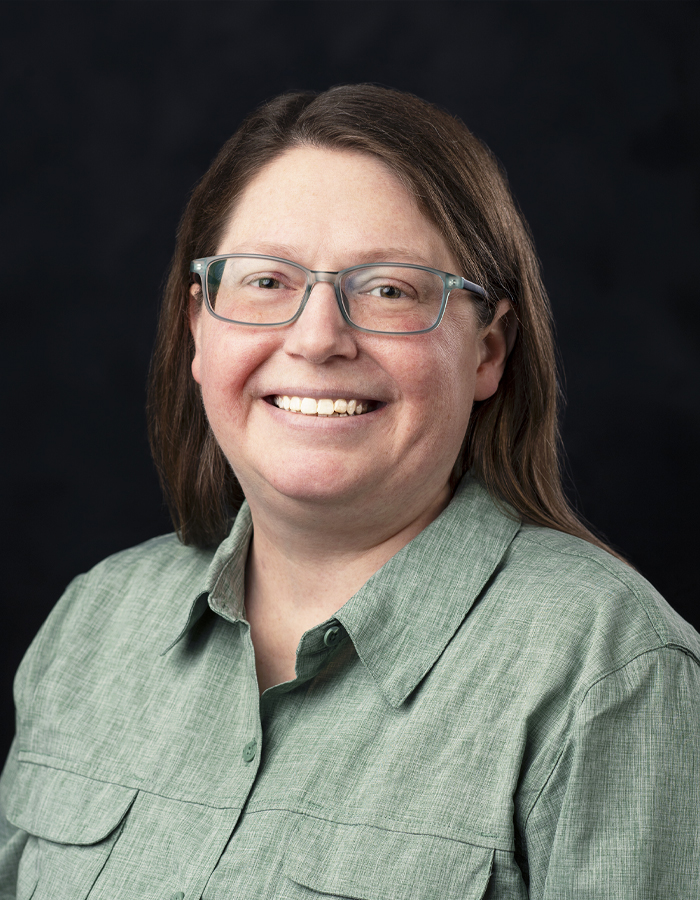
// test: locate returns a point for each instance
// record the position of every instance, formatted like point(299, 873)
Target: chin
point(318, 484)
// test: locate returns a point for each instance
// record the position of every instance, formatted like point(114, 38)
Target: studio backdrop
point(112, 111)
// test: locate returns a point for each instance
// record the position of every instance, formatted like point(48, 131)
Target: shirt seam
point(229, 562)
point(602, 565)
point(493, 843)
point(18, 687)
point(140, 788)
point(608, 674)
point(485, 846)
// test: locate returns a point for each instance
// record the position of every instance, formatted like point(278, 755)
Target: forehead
point(338, 202)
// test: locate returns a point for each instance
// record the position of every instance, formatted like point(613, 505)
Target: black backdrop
point(110, 113)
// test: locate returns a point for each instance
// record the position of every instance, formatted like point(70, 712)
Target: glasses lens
point(254, 290)
point(392, 298)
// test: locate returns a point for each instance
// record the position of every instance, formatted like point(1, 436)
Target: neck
point(306, 560)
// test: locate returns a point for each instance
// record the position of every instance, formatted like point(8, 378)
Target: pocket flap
point(64, 807)
point(369, 863)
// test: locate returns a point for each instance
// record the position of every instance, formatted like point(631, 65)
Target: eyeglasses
point(381, 298)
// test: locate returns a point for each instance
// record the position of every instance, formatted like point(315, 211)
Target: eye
point(387, 292)
point(267, 282)
point(282, 278)
point(391, 292)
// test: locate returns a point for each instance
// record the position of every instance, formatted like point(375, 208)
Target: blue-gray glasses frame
point(450, 282)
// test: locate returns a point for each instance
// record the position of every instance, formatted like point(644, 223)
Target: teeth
point(325, 407)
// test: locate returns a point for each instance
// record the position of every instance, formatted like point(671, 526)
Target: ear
point(195, 319)
point(495, 343)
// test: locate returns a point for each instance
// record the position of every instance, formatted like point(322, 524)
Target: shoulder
point(565, 634)
point(134, 592)
point(577, 601)
point(154, 574)
point(163, 558)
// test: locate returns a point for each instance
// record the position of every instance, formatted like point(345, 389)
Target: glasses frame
point(450, 282)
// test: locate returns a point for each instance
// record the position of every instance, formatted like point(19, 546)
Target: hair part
point(512, 443)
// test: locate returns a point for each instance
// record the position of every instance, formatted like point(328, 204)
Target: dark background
point(112, 111)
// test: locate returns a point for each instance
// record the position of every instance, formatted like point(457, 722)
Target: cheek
point(224, 363)
point(444, 375)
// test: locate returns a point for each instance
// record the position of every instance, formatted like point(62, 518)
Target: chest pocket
point(73, 823)
point(366, 863)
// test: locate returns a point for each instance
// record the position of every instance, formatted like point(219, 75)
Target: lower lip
point(330, 423)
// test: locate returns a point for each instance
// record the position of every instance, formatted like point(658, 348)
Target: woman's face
point(328, 210)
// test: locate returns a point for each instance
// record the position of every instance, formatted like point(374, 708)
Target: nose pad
point(330, 294)
point(321, 331)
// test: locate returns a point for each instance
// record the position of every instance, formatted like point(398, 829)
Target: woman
point(406, 669)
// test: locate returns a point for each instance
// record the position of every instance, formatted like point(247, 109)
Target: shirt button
point(332, 636)
point(249, 751)
point(178, 895)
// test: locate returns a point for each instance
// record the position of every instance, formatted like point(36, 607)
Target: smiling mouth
point(326, 407)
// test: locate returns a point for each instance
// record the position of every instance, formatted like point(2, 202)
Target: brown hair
point(512, 442)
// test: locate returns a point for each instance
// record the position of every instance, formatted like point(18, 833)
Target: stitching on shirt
point(544, 784)
point(19, 687)
point(230, 561)
point(60, 765)
point(616, 575)
point(278, 808)
point(343, 824)
point(629, 662)
point(583, 700)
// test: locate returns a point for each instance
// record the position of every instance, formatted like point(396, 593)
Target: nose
point(320, 332)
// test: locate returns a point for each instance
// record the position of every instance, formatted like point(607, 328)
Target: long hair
point(512, 443)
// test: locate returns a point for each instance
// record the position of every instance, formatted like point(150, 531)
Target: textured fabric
point(502, 711)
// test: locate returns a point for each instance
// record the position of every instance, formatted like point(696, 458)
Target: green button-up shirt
point(501, 711)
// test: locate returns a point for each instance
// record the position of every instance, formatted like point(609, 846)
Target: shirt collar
point(402, 618)
point(222, 589)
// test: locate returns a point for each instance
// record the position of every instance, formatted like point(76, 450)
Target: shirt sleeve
point(12, 840)
point(619, 816)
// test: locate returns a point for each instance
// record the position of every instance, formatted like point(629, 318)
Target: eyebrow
point(383, 254)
